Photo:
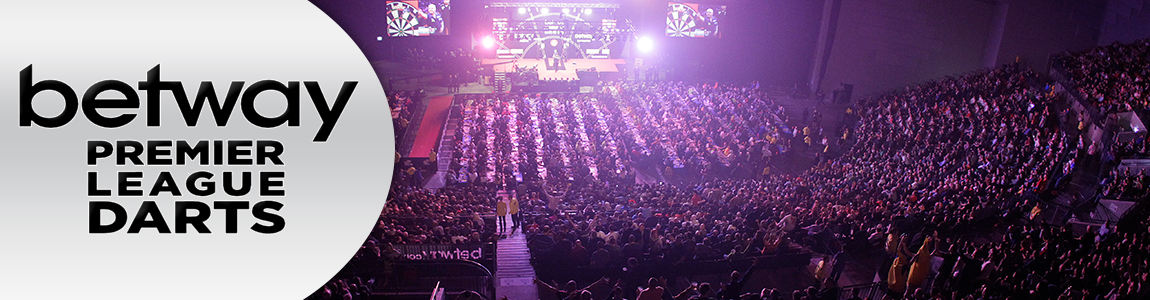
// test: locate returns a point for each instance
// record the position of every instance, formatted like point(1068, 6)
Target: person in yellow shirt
point(501, 214)
point(514, 211)
point(896, 278)
point(922, 264)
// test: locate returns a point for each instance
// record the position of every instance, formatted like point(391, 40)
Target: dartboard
point(401, 21)
point(680, 20)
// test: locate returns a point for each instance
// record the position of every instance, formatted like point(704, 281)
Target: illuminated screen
point(418, 17)
point(562, 30)
point(695, 20)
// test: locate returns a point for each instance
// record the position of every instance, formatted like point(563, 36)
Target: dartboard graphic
point(401, 19)
point(680, 20)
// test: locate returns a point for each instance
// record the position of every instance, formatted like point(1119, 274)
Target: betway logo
point(445, 255)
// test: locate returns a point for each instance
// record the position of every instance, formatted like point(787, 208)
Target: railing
point(874, 290)
point(1061, 76)
point(547, 269)
point(416, 279)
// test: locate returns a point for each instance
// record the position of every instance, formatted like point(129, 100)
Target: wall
point(1036, 29)
point(770, 41)
point(885, 44)
point(1125, 21)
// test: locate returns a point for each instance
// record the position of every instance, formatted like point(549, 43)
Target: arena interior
point(758, 149)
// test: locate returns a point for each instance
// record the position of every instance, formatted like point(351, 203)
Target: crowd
point(553, 138)
point(702, 130)
point(403, 105)
point(945, 156)
point(1126, 184)
point(698, 130)
point(1114, 78)
point(413, 215)
point(931, 174)
point(1044, 262)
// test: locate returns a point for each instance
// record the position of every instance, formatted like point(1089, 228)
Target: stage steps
point(500, 82)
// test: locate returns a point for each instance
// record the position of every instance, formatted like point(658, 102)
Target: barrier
point(549, 270)
point(420, 279)
point(874, 290)
point(483, 254)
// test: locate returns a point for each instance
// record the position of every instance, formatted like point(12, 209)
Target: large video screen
point(418, 17)
point(695, 20)
point(568, 30)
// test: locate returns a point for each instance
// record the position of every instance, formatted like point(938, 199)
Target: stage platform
point(508, 65)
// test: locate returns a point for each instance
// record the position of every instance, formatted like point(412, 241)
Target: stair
point(514, 273)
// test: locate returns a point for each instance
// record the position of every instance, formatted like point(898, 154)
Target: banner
point(443, 251)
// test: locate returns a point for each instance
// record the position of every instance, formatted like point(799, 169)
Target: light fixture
point(488, 42)
point(645, 44)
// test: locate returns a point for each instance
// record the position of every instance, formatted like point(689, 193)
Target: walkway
point(514, 273)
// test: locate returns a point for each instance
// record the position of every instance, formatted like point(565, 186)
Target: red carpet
point(437, 111)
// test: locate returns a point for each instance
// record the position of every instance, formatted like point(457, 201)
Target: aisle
point(438, 108)
point(514, 272)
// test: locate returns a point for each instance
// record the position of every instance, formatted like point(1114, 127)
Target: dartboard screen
point(418, 17)
point(695, 20)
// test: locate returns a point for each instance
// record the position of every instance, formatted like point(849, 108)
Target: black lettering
point(149, 216)
point(94, 222)
point(238, 152)
point(221, 112)
point(93, 191)
point(98, 149)
point(90, 103)
point(153, 86)
point(165, 183)
point(158, 152)
point(259, 212)
point(206, 189)
point(266, 183)
point(218, 152)
point(28, 91)
point(245, 185)
point(263, 153)
point(329, 116)
point(191, 153)
point(230, 208)
point(290, 115)
point(129, 150)
point(197, 221)
point(126, 182)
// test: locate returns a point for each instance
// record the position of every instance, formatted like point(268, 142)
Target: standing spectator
point(501, 214)
point(514, 211)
